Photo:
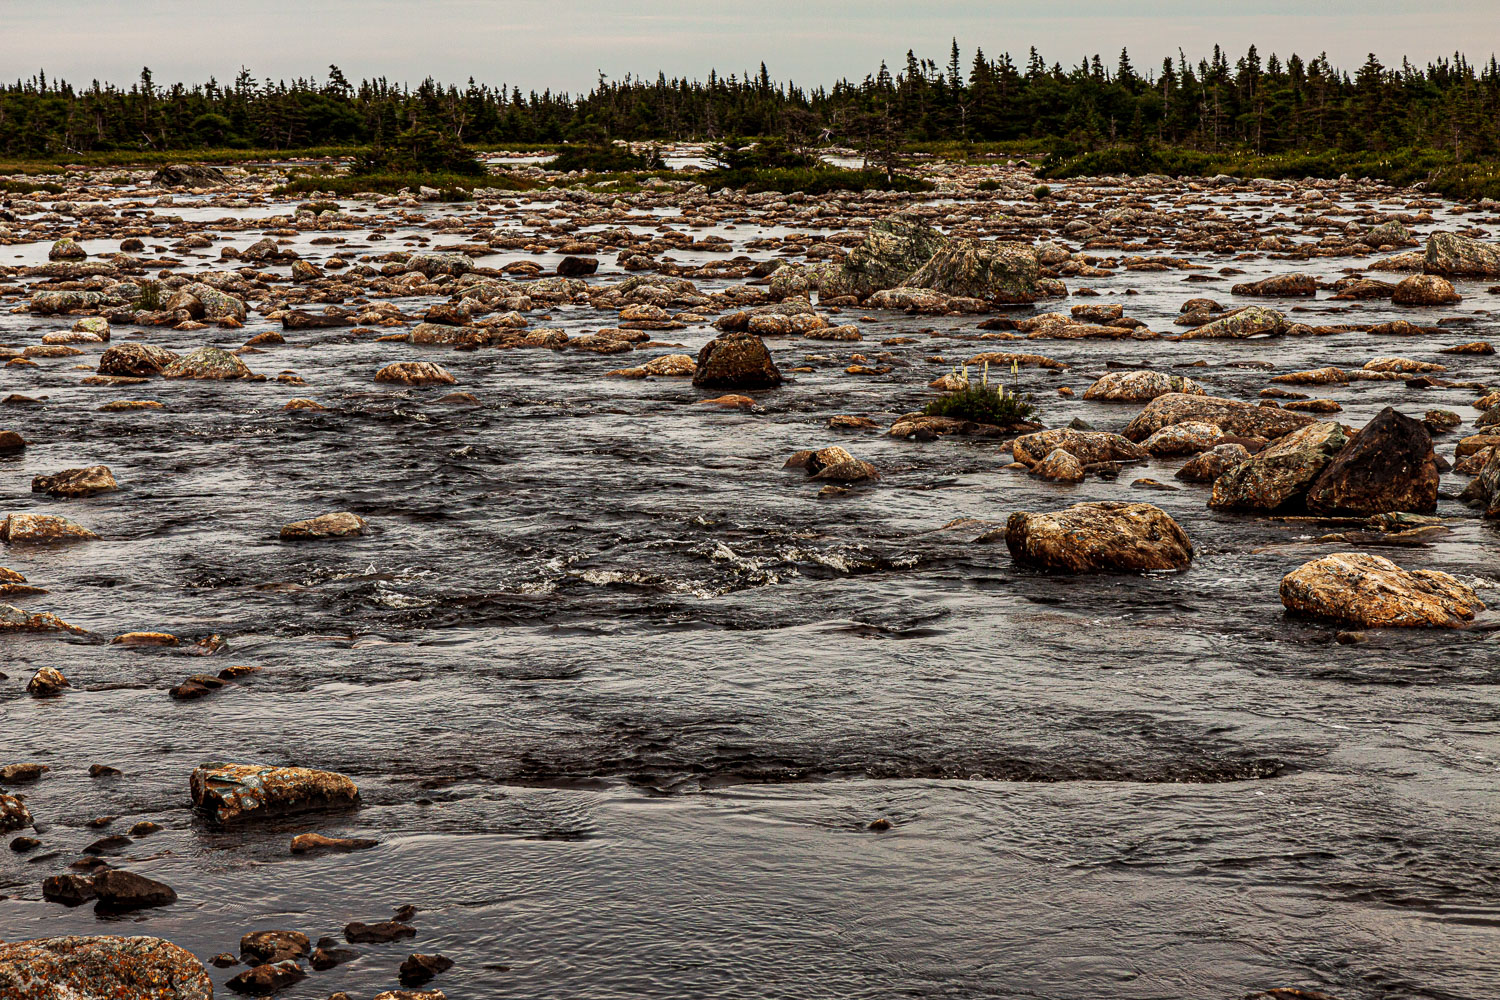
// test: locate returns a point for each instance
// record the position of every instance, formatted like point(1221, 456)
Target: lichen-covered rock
point(736, 361)
point(1452, 254)
point(13, 814)
point(1059, 466)
point(671, 366)
point(188, 175)
point(1484, 491)
point(231, 793)
point(101, 968)
point(1388, 465)
point(339, 525)
point(1235, 417)
point(1389, 234)
point(434, 264)
point(1186, 438)
point(1425, 290)
point(135, 359)
point(1213, 463)
point(1089, 447)
point(47, 682)
point(33, 528)
point(832, 463)
point(48, 303)
point(207, 363)
point(1280, 286)
point(414, 373)
point(216, 305)
point(1278, 476)
point(13, 619)
point(1373, 592)
point(991, 272)
point(1139, 387)
point(76, 482)
point(915, 300)
point(67, 249)
point(1252, 321)
point(891, 251)
point(1099, 537)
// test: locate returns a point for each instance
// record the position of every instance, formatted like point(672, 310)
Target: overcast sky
point(563, 44)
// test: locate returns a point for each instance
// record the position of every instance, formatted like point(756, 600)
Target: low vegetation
point(983, 404)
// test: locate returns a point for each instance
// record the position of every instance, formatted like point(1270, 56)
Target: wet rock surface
point(1095, 537)
point(120, 968)
point(593, 634)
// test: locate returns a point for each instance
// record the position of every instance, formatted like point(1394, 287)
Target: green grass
point(809, 180)
point(983, 404)
point(1436, 169)
point(26, 187)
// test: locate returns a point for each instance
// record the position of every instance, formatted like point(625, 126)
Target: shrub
point(767, 154)
point(983, 404)
point(598, 159)
point(810, 180)
point(1041, 192)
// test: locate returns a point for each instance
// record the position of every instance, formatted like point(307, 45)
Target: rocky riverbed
point(562, 592)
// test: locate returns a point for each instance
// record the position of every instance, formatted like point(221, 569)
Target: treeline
point(1252, 104)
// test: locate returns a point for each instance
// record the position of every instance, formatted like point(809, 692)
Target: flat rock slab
point(232, 793)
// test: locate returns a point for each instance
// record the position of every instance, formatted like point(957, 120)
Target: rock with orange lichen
point(101, 968)
point(232, 793)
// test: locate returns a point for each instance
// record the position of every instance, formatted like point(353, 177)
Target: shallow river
point(622, 697)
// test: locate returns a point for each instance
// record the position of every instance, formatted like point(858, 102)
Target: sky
point(565, 44)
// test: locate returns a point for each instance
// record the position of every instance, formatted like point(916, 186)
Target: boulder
point(1213, 463)
point(991, 272)
point(263, 980)
point(671, 365)
point(1059, 466)
point(736, 361)
point(1373, 592)
point(1278, 476)
point(1089, 447)
point(135, 359)
point(188, 175)
point(435, 264)
point(1186, 438)
point(13, 619)
point(1425, 290)
point(340, 525)
point(414, 373)
point(1235, 417)
point(1139, 387)
point(265, 947)
point(1099, 537)
point(1281, 286)
point(892, 250)
point(834, 464)
point(1455, 255)
point(207, 363)
point(101, 968)
point(68, 890)
point(1388, 465)
point(13, 814)
point(122, 892)
point(419, 970)
point(46, 683)
point(33, 528)
point(577, 267)
point(232, 793)
point(1252, 321)
point(76, 482)
point(1389, 234)
point(1484, 491)
point(66, 249)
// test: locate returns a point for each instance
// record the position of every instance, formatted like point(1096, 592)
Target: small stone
point(263, 980)
point(325, 526)
point(383, 932)
point(418, 970)
point(311, 843)
point(46, 682)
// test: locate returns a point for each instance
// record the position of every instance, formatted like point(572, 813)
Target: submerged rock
point(231, 793)
point(13, 814)
point(76, 482)
point(414, 373)
point(1373, 592)
point(1278, 476)
point(383, 932)
point(736, 361)
point(263, 980)
point(1388, 465)
point(312, 843)
point(101, 968)
point(265, 947)
point(418, 970)
point(19, 528)
point(324, 526)
point(1099, 537)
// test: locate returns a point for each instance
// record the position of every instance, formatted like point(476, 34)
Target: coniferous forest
point(1252, 104)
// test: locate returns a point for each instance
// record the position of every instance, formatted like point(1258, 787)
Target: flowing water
point(622, 697)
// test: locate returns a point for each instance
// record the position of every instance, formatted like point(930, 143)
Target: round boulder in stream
point(736, 361)
point(1098, 538)
point(1373, 592)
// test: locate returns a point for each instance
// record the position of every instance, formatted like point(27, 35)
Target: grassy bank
point(809, 180)
point(1438, 171)
point(454, 187)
